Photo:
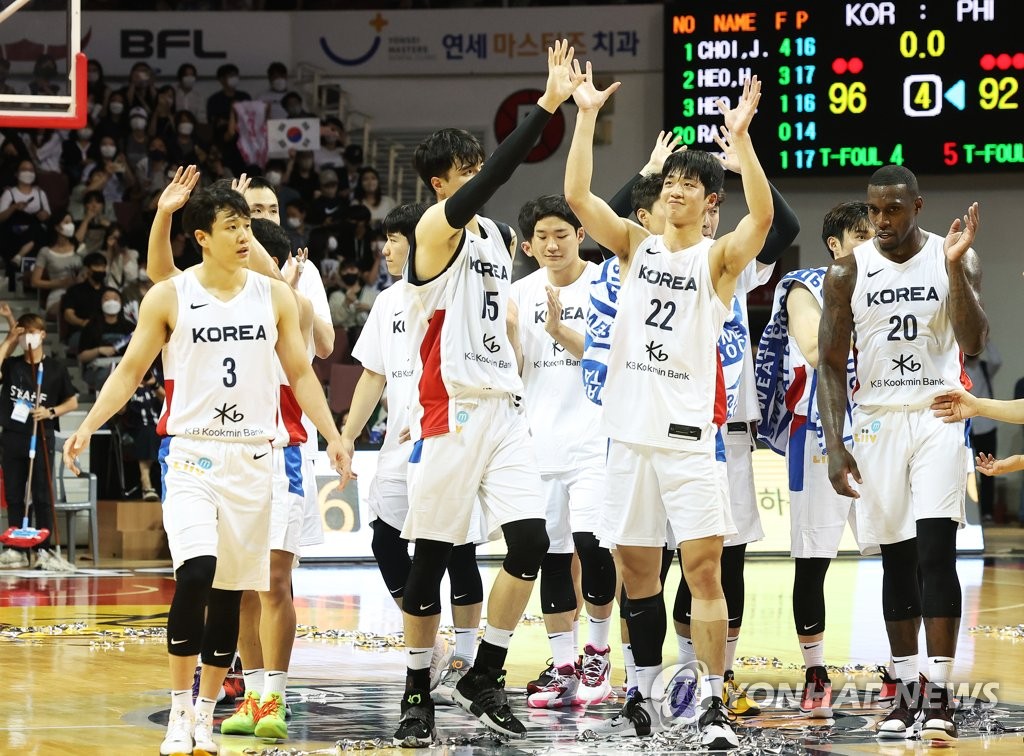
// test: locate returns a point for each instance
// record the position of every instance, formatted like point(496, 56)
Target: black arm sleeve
point(464, 204)
point(622, 205)
point(785, 227)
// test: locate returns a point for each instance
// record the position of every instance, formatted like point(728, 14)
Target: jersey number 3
point(230, 379)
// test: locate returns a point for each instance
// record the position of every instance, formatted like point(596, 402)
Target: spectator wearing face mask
point(331, 205)
point(295, 223)
point(218, 105)
point(277, 78)
point(137, 144)
point(122, 260)
point(112, 175)
point(24, 208)
point(104, 340)
point(185, 95)
point(58, 264)
point(76, 153)
point(92, 229)
point(140, 91)
point(333, 139)
point(276, 175)
point(114, 122)
point(161, 121)
point(22, 401)
point(152, 172)
point(303, 176)
point(185, 148)
point(82, 301)
point(99, 90)
point(349, 299)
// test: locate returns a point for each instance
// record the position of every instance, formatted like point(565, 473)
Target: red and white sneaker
point(560, 691)
point(817, 699)
point(888, 692)
point(595, 676)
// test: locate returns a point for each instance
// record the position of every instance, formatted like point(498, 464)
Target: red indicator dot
point(856, 66)
point(1003, 61)
point(988, 62)
point(839, 66)
point(1018, 61)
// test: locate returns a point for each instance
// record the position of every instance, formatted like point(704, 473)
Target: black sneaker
point(543, 679)
point(937, 715)
point(483, 696)
point(901, 722)
point(416, 728)
point(716, 733)
point(632, 717)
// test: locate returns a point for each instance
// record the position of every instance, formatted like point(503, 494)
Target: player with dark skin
point(893, 211)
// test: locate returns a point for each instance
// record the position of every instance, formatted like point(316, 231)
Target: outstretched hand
point(586, 95)
point(241, 183)
point(563, 79)
point(729, 158)
point(955, 406)
point(987, 464)
point(961, 234)
point(176, 193)
point(737, 120)
point(667, 143)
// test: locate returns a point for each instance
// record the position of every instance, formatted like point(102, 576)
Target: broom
point(26, 537)
point(56, 562)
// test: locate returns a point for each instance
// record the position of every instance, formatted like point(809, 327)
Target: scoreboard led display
point(937, 85)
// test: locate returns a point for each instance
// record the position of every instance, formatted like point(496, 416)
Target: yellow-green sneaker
point(737, 700)
point(270, 720)
point(243, 721)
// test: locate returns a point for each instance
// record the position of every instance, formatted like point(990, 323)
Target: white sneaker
point(178, 740)
point(595, 685)
point(439, 660)
point(14, 558)
point(444, 693)
point(202, 734)
point(716, 732)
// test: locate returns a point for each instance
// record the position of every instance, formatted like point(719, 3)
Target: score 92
point(998, 94)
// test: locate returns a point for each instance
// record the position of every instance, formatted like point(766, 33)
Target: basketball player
point(549, 307)
point(787, 362)
point(664, 398)
point(266, 619)
point(736, 356)
point(911, 301)
point(385, 352)
point(219, 419)
point(469, 439)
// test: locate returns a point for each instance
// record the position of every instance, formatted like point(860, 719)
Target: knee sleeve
point(646, 621)
point(464, 576)
point(187, 615)
point(220, 637)
point(901, 595)
point(809, 595)
point(936, 554)
point(557, 594)
point(732, 582)
point(597, 567)
point(527, 543)
point(423, 588)
point(681, 607)
point(666, 564)
point(392, 554)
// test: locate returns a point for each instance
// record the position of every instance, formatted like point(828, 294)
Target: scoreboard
point(937, 85)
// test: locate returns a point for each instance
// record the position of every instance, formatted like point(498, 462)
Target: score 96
point(844, 98)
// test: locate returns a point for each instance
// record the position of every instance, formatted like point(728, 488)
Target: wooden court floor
point(81, 683)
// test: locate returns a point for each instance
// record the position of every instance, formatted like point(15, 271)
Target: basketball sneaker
point(902, 721)
point(48, 561)
point(416, 727)
point(195, 686)
point(561, 691)
point(13, 558)
point(270, 718)
point(202, 734)
point(716, 732)
point(243, 721)
point(817, 699)
point(595, 676)
point(684, 697)
point(737, 700)
point(888, 692)
point(178, 740)
point(483, 695)
point(440, 658)
point(937, 715)
point(234, 683)
point(542, 679)
point(633, 719)
point(450, 676)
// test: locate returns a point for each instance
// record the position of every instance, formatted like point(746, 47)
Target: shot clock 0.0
point(936, 85)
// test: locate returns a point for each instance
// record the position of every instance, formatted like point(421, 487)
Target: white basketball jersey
point(753, 275)
point(563, 422)
point(463, 347)
point(384, 348)
point(904, 346)
point(665, 385)
point(219, 364)
point(311, 286)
